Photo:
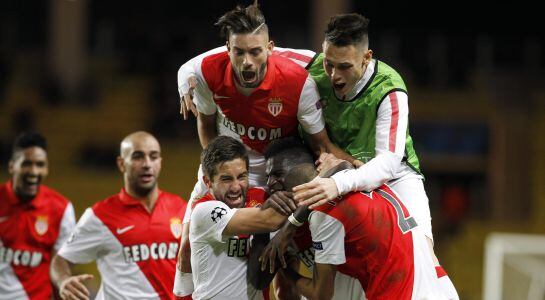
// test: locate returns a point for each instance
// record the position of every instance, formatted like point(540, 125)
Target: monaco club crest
point(41, 225)
point(176, 227)
point(275, 106)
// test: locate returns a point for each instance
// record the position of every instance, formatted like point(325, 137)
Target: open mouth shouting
point(235, 200)
point(249, 76)
point(339, 86)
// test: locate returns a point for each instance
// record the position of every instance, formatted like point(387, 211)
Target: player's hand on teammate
point(282, 202)
point(331, 165)
point(316, 192)
point(73, 287)
point(277, 247)
point(322, 159)
point(186, 102)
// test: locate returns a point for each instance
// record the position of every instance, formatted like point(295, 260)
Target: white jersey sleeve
point(208, 220)
point(390, 139)
point(202, 95)
point(86, 241)
point(68, 223)
point(391, 127)
point(302, 57)
point(199, 190)
point(327, 238)
point(309, 112)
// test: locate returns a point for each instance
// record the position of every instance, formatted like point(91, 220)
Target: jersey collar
point(129, 200)
point(266, 84)
point(207, 197)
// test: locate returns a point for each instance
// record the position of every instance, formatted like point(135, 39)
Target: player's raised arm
point(191, 85)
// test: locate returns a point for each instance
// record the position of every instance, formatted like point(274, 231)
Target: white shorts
point(411, 191)
point(426, 284)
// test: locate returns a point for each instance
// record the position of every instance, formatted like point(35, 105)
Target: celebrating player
point(219, 221)
point(34, 222)
point(133, 236)
point(365, 105)
point(370, 237)
point(282, 156)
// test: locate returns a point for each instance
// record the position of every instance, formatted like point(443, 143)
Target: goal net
point(514, 267)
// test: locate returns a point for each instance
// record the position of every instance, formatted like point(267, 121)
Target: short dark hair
point(27, 140)
point(222, 149)
point(292, 147)
point(299, 174)
point(242, 20)
point(347, 29)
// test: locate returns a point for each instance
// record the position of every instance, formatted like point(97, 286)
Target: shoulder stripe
point(293, 55)
point(311, 62)
point(394, 121)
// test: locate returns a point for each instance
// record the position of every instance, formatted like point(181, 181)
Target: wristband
point(183, 284)
point(294, 221)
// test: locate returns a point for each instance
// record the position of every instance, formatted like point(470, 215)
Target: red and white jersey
point(286, 97)
point(370, 237)
point(220, 262)
point(30, 233)
point(346, 287)
point(135, 250)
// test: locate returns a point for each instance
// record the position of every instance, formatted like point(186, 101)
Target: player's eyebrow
point(251, 49)
point(137, 152)
point(341, 64)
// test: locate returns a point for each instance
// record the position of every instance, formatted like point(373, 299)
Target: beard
point(259, 74)
point(143, 190)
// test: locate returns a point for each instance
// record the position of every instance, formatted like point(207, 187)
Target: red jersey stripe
point(394, 121)
point(440, 271)
point(294, 55)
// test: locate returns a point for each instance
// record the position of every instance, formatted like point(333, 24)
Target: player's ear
point(367, 56)
point(121, 164)
point(228, 46)
point(10, 167)
point(207, 181)
point(270, 47)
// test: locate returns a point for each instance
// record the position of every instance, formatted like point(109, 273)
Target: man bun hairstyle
point(222, 149)
point(347, 29)
point(242, 20)
point(27, 140)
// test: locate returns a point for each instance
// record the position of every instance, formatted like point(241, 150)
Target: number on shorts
point(404, 223)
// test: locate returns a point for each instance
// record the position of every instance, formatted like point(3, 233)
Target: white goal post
point(523, 254)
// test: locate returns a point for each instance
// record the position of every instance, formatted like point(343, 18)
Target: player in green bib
point(365, 106)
